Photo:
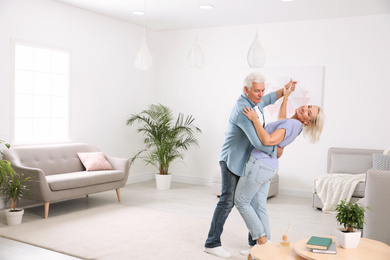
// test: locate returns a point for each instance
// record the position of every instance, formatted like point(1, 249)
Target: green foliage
point(5, 166)
point(164, 139)
point(350, 215)
point(7, 145)
point(11, 183)
point(13, 188)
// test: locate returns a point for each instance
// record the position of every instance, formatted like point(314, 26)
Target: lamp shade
point(256, 54)
point(143, 59)
point(196, 55)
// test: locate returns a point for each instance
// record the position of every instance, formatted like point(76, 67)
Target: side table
point(367, 249)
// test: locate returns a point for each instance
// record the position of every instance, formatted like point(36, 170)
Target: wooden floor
point(188, 199)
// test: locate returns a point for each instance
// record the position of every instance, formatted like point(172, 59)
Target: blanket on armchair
point(331, 188)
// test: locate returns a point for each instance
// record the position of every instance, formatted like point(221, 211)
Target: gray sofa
point(351, 161)
point(217, 185)
point(58, 174)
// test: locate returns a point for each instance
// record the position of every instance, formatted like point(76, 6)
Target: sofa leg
point(118, 194)
point(47, 204)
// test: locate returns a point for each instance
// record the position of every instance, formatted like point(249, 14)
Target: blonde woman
point(252, 188)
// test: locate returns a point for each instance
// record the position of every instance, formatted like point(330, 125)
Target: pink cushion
point(95, 161)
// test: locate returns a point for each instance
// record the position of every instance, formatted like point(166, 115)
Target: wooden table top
point(367, 249)
point(270, 251)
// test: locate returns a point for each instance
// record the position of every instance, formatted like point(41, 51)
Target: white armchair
point(377, 198)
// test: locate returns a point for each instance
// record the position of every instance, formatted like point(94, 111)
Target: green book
point(319, 243)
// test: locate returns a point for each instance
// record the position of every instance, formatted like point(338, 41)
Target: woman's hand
point(289, 88)
point(250, 113)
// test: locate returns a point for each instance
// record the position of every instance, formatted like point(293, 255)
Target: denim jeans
point(224, 206)
point(251, 197)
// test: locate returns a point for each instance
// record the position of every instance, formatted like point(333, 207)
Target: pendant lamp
point(196, 55)
point(256, 54)
point(143, 59)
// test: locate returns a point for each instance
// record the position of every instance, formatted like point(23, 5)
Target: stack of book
point(321, 245)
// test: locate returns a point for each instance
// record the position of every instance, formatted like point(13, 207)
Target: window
point(41, 94)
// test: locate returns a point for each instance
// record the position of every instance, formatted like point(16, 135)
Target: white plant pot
point(348, 239)
point(14, 218)
point(163, 182)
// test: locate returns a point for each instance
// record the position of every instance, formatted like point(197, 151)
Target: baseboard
point(296, 193)
point(175, 178)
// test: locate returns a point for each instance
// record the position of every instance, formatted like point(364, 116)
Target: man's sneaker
point(217, 251)
point(246, 252)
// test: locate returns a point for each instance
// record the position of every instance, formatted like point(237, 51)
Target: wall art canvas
point(308, 91)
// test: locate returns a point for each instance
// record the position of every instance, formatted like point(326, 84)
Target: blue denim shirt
point(241, 136)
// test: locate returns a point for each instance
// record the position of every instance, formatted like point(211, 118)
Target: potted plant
point(351, 216)
point(12, 188)
point(164, 139)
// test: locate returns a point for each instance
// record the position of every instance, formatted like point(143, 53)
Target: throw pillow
point(381, 162)
point(95, 161)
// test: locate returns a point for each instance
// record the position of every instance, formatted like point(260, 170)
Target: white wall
point(356, 57)
point(106, 88)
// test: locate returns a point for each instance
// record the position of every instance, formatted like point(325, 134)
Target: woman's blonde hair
point(314, 130)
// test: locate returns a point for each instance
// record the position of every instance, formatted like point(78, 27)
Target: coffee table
point(367, 249)
point(274, 251)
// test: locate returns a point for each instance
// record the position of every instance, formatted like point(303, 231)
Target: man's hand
point(289, 88)
point(250, 113)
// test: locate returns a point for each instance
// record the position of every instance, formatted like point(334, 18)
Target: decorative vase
point(163, 182)
point(14, 217)
point(348, 239)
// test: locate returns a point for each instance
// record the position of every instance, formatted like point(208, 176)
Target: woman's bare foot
point(262, 240)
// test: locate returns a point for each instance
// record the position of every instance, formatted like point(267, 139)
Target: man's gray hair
point(256, 77)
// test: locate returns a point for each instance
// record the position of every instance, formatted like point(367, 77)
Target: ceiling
point(185, 14)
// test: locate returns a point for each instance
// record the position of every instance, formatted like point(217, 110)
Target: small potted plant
point(351, 216)
point(12, 188)
point(164, 139)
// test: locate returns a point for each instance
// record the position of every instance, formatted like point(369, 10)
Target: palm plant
point(11, 183)
point(164, 139)
point(14, 189)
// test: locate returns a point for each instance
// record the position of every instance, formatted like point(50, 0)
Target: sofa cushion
point(82, 179)
point(350, 163)
point(381, 162)
point(95, 161)
point(359, 190)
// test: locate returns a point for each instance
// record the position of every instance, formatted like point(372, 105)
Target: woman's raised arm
point(288, 89)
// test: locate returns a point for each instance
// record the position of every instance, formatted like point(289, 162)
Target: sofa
point(217, 185)
point(57, 172)
point(350, 161)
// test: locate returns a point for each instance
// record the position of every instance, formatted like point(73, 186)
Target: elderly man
point(240, 139)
